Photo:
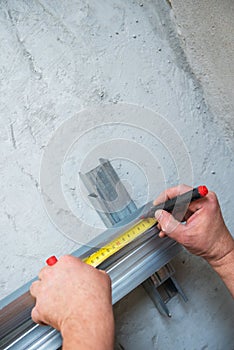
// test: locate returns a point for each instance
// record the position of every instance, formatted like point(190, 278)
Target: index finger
point(171, 193)
point(44, 272)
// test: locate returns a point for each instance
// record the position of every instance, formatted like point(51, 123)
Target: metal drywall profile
point(126, 274)
point(107, 194)
point(127, 269)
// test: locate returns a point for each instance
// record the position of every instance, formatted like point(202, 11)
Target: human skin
point(75, 298)
point(204, 232)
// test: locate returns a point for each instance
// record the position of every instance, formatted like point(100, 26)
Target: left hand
point(74, 295)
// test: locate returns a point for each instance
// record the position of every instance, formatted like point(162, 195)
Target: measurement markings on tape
point(114, 246)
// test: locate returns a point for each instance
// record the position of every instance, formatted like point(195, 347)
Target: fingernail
point(158, 214)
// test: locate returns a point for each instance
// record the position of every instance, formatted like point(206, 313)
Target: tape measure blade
point(118, 243)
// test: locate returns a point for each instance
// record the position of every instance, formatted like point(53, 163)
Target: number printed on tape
point(114, 246)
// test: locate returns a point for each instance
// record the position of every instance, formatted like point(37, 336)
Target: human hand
point(75, 298)
point(204, 233)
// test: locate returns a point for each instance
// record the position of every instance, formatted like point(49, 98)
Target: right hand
point(204, 233)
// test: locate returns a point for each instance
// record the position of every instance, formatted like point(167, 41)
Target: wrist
point(70, 332)
point(222, 261)
point(221, 251)
point(86, 334)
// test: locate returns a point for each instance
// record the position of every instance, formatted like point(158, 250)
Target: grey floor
point(58, 58)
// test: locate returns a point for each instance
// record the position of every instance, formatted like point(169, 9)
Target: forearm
point(225, 267)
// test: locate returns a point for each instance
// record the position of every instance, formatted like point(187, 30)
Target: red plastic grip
point(51, 260)
point(203, 190)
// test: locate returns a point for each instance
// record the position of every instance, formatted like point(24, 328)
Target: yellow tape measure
point(114, 246)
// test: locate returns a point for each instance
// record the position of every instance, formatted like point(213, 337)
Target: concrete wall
point(206, 31)
point(58, 58)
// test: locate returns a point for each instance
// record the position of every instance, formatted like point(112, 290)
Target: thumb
point(169, 225)
point(35, 315)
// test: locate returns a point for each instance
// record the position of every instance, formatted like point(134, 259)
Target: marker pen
point(179, 202)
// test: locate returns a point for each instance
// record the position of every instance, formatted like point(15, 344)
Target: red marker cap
point(203, 190)
point(51, 260)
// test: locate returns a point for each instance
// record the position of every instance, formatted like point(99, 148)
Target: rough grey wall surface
point(60, 57)
point(206, 32)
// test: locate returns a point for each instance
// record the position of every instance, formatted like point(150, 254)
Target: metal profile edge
point(126, 274)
